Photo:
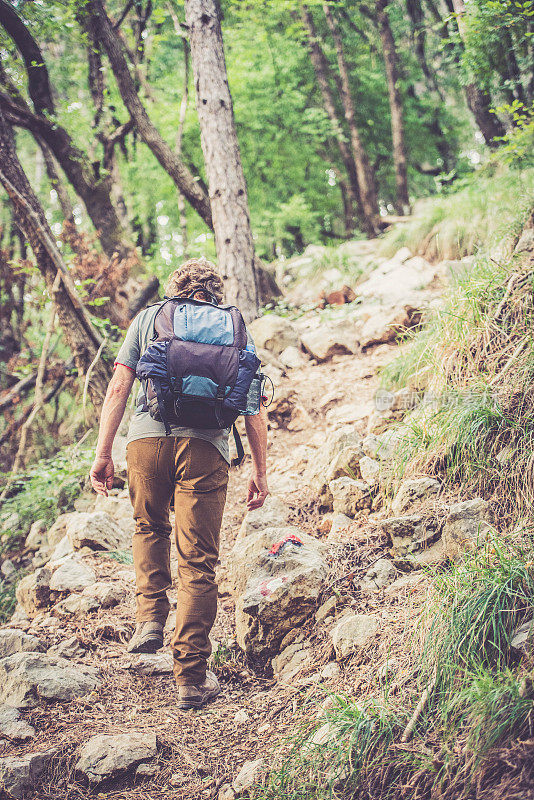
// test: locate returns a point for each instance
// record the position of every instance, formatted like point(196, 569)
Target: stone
point(36, 536)
point(523, 638)
point(292, 357)
point(13, 640)
point(241, 717)
point(98, 531)
point(369, 470)
point(274, 333)
point(147, 770)
point(19, 775)
point(226, 792)
point(352, 633)
point(248, 775)
point(466, 527)
point(68, 648)
point(152, 663)
point(72, 576)
point(345, 462)
point(62, 550)
point(412, 490)
point(59, 528)
point(322, 735)
point(410, 535)
point(106, 593)
point(379, 575)
point(8, 570)
point(13, 725)
point(388, 669)
point(76, 604)
point(406, 583)
point(280, 590)
point(26, 678)
point(250, 554)
point(328, 609)
point(331, 671)
point(273, 513)
point(381, 446)
point(286, 411)
point(387, 324)
point(33, 591)
point(350, 496)
point(341, 529)
point(105, 756)
point(119, 508)
point(329, 340)
point(290, 661)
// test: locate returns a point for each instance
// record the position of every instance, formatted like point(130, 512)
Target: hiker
point(198, 370)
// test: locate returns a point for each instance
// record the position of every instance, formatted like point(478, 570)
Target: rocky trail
point(330, 608)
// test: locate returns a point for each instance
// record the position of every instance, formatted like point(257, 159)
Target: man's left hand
point(101, 474)
point(257, 491)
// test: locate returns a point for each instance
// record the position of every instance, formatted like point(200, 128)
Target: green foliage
point(47, 489)
point(518, 144)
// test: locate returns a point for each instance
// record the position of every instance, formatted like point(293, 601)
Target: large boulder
point(98, 531)
point(274, 333)
point(282, 589)
point(104, 756)
point(13, 640)
point(59, 528)
point(329, 340)
point(411, 491)
point(36, 536)
point(350, 496)
point(393, 280)
point(466, 527)
point(415, 540)
point(273, 513)
point(119, 507)
point(25, 678)
point(340, 455)
point(352, 633)
point(387, 324)
point(33, 591)
point(72, 576)
point(22, 774)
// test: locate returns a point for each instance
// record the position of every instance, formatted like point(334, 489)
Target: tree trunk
point(228, 191)
point(173, 166)
point(320, 66)
point(365, 172)
point(94, 192)
point(80, 335)
point(181, 122)
point(402, 205)
point(479, 101)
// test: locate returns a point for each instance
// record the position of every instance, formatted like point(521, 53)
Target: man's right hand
point(101, 474)
point(257, 491)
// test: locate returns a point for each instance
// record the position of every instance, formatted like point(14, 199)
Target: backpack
point(198, 369)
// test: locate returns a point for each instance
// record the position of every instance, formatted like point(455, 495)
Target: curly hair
point(195, 275)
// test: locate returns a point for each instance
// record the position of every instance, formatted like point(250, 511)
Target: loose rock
point(352, 633)
point(36, 536)
point(107, 594)
point(13, 640)
point(248, 775)
point(273, 513)
point(274, 333)
point(466, 527)
point(23, 774)
point(33, 591)
point(98, 531)
point(350, 496)
point(412, 490)
point(27, 677)
point(13, 725)
point(379, 575)
point(104, 756)
point(152, 663)
point(72, 576)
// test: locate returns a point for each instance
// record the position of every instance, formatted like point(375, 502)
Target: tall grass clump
point(473, 365)
point(458, 225)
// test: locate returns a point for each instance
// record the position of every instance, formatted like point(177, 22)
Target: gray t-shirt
point(142, 425)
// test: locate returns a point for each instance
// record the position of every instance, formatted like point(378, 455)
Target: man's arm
point(113, 408)
point(256, 428)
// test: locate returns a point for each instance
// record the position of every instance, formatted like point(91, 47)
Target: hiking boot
point(199, 695)
point(148, 638)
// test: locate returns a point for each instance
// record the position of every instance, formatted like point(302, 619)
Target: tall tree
point(395, 105)
point(365, 172)
point(227, 187)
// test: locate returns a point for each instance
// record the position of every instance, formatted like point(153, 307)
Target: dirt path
point(201, 751)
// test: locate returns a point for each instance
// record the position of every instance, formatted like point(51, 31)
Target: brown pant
point(197, 475)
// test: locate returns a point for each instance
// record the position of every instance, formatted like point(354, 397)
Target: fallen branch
point(421, 705)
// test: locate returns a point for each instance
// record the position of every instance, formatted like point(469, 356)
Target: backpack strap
point(240, 332)
point(236, 462)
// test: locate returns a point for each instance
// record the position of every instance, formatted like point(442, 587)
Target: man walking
point(188, 464)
